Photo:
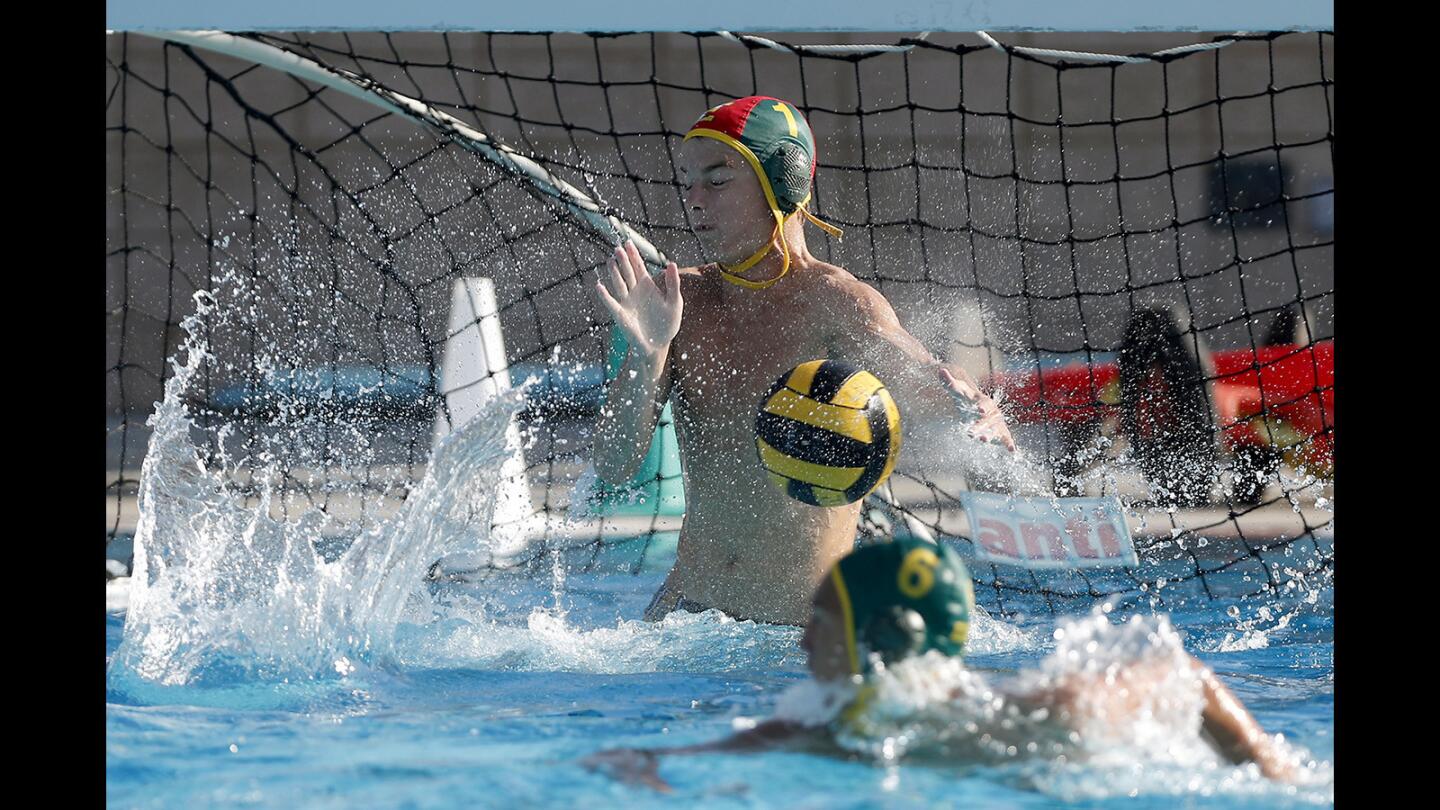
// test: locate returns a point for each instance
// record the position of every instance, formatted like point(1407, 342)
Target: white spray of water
point(949, 449)
point(549, 641)
point(549, 638)
point(1136, 731)
point(219, 584)
point(223, 588)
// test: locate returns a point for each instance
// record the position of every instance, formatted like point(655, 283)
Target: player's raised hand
point(648, 313)
point(987, 421)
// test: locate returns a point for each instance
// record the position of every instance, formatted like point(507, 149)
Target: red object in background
point(1076, 393)
point(1274, 396)
point(1279, 396)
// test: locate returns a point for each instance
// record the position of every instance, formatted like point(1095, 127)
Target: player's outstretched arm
point(641, 766)
point(648, 314)
point(987, 423)
point(928, 391)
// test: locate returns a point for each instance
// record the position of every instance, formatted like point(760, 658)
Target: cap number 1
point(789, 119)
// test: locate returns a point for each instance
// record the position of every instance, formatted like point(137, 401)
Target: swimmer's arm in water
point(640, 766)
point(763, 736)
point(1234, 731)
point(927, 390)
point(1225, 722)
point(649, 316)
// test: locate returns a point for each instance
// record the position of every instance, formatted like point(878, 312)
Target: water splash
point(547, 640)
point(224, 589)
point(1137, 732)
point(497, 626)
point(228, 588)
point(1255, 633)
point(948, 449)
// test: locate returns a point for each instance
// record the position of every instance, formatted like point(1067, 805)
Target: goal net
point(1131, 244)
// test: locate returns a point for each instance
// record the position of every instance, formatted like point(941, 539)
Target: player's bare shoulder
point(698, 291)
point(846, 297)
point(697, 286)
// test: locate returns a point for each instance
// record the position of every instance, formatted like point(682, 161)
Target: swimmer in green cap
point(889, 602)
point(712, 338)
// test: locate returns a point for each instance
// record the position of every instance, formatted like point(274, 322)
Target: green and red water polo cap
point(775, 140)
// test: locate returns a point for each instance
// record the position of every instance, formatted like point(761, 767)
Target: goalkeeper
point(712, 339)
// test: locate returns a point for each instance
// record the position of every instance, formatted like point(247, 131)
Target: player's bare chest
point(741, 353)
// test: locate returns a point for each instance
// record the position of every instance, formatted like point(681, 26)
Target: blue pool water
point(497, 698)
point(251, 671)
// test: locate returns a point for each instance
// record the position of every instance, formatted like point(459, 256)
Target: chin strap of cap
point(731, 273)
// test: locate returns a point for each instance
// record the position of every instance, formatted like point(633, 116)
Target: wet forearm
point(930, 405)
point(940, 401)
point(641, 766)
point(769, 734)
point(1234, 731)
point(627, 419)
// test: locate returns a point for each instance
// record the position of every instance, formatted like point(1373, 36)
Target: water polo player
point(890, 602)
point(761, 305)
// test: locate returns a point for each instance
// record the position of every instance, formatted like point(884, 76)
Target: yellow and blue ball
point(828, 433)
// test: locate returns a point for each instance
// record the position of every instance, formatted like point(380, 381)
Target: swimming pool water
point(256, 672)
point(494, 698)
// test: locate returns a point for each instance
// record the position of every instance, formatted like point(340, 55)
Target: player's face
point(824, 639)
point(724, 200)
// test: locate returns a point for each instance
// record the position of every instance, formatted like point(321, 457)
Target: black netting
point(1138, 254)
